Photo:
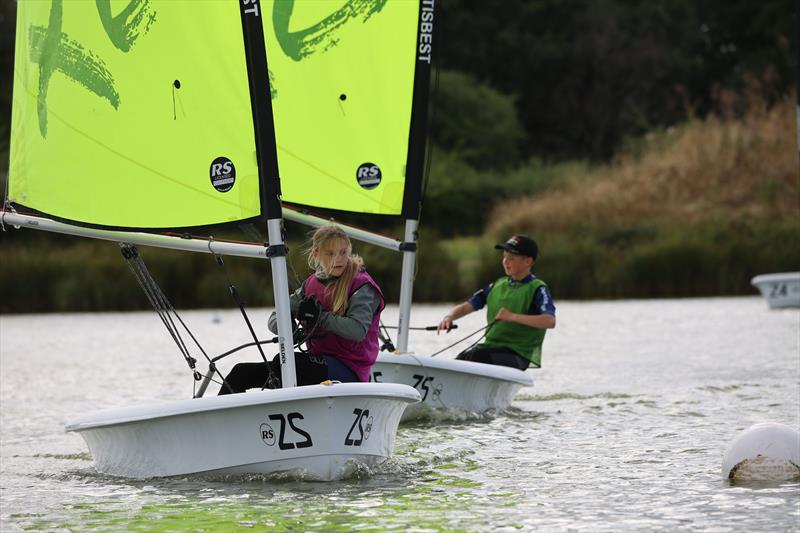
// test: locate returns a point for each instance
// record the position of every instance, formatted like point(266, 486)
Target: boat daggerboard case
point(162, 116)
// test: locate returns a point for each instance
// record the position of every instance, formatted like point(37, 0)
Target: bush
point(476, 122)
point(459, 200)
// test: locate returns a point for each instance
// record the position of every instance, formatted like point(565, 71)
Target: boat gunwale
point(502, 373)
point(786, 277)
point(141, 413)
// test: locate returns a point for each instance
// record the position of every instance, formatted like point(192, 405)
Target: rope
point(161, 305)
point(429, 141)
point(254, 234)
point(388, 345)
point(423, 328)
point(271, 381)
point(483, 329)
point(303, 332)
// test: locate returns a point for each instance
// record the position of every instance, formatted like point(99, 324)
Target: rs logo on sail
point(223, 174)
point(368, 175)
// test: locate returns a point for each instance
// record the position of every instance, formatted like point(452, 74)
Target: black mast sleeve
point(261, 103)
point(415, 161)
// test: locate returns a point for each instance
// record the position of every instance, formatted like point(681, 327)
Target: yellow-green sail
point(133, 114)
point(343, 82)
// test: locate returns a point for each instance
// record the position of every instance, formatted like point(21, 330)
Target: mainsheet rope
point(271, 381)
point(483, 329)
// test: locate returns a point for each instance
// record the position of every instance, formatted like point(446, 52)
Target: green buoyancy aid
point(517, 298)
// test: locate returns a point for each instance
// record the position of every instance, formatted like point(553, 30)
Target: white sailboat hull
point(448, 385)
point(780, 290)
point(319, 432)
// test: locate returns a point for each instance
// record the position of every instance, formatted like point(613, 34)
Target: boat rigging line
point(483, 329)
point(429, 141)
point(272, 381)
point(162, 306)
point(388, 345)
point(422, 328)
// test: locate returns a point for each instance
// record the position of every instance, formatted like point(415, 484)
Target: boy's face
point(516, 266)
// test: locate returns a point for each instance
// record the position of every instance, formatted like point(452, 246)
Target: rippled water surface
point(624, 429)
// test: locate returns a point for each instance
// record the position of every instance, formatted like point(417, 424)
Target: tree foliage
point(475, 122)
point(589, 73)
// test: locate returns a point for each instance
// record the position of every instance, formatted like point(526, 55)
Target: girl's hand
point(504, 314)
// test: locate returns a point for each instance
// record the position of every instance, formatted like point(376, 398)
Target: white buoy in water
point(763, 452)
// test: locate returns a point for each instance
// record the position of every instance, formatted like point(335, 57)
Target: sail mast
point(415, 167)
point(266, 153)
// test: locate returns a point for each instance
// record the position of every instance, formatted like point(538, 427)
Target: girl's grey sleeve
point(356, 322)
point(294, 301)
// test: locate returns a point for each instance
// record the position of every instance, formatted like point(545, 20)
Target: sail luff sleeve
point(415, 166)
point(261, 103)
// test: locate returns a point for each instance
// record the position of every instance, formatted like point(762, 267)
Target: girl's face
point(333, 257)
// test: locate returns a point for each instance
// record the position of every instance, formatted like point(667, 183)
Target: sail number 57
point(421, 384)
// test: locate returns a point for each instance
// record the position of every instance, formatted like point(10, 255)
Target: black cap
point(520, 245)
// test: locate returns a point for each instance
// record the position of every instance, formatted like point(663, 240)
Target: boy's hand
point(445, 324)
point(504, 314)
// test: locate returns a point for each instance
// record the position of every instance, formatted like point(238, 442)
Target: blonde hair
point(322, 239)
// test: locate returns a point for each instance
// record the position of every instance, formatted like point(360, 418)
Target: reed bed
point(695, 210)
point(719, 168)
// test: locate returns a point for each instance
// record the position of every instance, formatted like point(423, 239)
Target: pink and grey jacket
point(359, 356)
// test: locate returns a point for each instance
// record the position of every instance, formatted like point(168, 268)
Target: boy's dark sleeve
point(542, 303)
point(478, 300)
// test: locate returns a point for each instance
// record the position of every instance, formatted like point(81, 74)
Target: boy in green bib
point(520, 306)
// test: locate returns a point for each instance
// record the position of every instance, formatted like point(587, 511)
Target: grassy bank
point(42, 272)
point(695, 210)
